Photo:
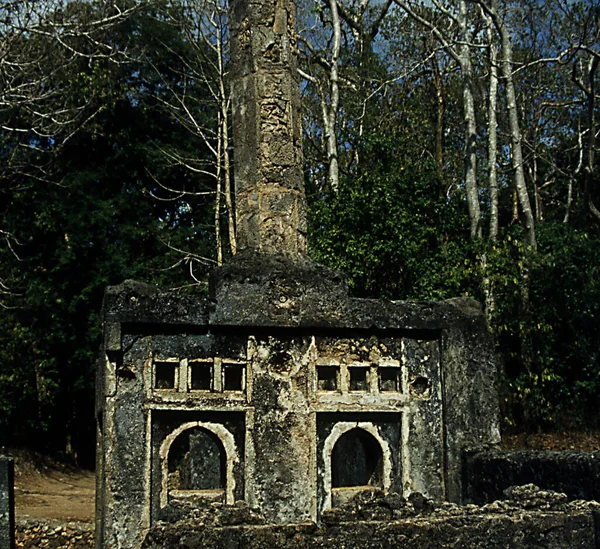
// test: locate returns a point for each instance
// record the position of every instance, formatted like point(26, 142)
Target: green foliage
point(83, 200)
point(100, 216)
point(390, 228)
point(561, 384)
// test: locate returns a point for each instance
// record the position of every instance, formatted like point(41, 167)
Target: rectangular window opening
point(389, 380)
point(164, 375)
point(327, 378)
point(201, 376)
point(233, 377)
point(358, 379)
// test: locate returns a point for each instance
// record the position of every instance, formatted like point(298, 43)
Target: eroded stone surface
point(270, 203)
point(302, 413)
point(529, 519)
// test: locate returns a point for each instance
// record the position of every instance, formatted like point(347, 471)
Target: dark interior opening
point(327, 377)
point(420, 385)
point(389, 380)
point(201, 376)
point(197, 461)
point(358, 378)
point(233, 377)
point(164, 375)
point(356, 460)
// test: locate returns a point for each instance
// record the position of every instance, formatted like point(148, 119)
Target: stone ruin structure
point(278, 398)
point(7, 503)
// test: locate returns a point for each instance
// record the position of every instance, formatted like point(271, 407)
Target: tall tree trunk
point(588, 88)
point(217, 213)
point(493, 131)
point(224, 108)
point(440, 98)
point(515, 136)
point(470, 125)
point(330, 117)
point(589, 169)
point(513, 120)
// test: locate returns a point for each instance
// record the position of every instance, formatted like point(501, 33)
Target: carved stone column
point(267, 133)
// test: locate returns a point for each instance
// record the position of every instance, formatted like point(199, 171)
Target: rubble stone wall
point(489, 474)
point(530, 519)
point(53, 534)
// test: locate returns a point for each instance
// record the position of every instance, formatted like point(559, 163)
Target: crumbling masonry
point(279, 390)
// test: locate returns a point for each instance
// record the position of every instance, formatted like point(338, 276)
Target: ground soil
point(582, 441)
point(48, 489)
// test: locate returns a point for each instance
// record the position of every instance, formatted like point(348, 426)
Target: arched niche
point(355, 458)
point(197, 460)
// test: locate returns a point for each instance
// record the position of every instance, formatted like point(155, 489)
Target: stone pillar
point(267, 131)
point(7, 503)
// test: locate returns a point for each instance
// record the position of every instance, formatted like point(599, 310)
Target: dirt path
point(54, 491)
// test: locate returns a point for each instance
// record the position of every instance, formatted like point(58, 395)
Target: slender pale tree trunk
point(493, 131)
point(506, 64)
point(330, 116)
point(589, 169)
point(219, 169)
point(574, 174)
point(515, 137)
point(228, 186)
point(589, 89)
point(224, 109)
point(464, 55)
point(492, 127)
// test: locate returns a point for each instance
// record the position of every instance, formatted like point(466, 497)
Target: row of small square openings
point(213, 375)
point(385, 379)
point(358, 378)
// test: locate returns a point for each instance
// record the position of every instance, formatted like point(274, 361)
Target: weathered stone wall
point(7, 503)
point(530, 519)
point(276, 371)
point(489, 474)
point(273, 291)
point(123, 468)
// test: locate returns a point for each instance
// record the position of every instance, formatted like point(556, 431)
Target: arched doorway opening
point(356, 458)
point(357, 461)
point(197, 462)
